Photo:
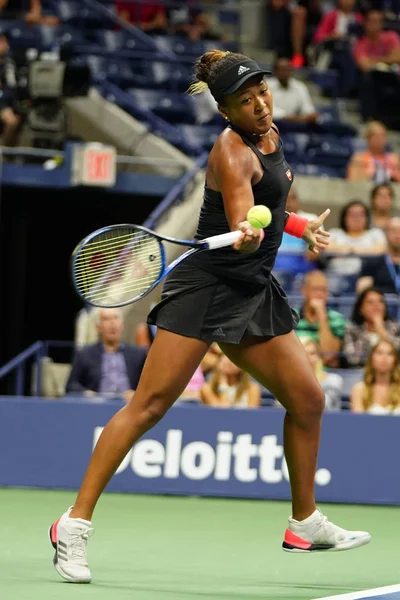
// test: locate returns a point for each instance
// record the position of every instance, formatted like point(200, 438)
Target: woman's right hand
point(250, 239)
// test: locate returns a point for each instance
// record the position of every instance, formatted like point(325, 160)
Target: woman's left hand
point(317, 238)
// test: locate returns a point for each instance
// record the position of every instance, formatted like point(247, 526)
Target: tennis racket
point(120, 264)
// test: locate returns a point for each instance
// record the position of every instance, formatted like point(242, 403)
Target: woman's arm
point(211, 398)
point(232, 166)
point(355, 169)
point(254, 395)
point(356, 402)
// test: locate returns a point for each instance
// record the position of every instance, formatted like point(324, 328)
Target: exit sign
point(94, 165)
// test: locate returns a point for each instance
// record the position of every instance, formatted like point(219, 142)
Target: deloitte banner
point(198, 450)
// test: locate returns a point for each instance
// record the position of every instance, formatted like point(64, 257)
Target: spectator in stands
point(331, 383)
point(150, 17)
point(144, 337)
point(336, 24)
point(383, 271)
point(292, 255)
point(333, 44)
point(376, 51)
point(29, 11)
point(353, 239)
point(9, 118)
point(376, 46)
point(188, 20)
point(379, 393)
point(382, 199)
point(292, 100)
point(317, 321)
point(230, 386)
point(370, 323)
point(108, 366)
point(376, 163)
point(306, 16)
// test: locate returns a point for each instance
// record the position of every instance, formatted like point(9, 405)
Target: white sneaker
point(316, 533)
point(69, 539)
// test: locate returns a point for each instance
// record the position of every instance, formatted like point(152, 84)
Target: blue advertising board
point(198, 450)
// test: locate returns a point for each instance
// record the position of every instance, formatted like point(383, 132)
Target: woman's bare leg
point(170, 364)
point(282, 366)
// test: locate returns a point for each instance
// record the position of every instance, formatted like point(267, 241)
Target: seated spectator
point(109, 366)
point(292, 100)
point(230, 386)
point(336, 24)
point(317, 322)
point(292, 251)
point(144, 337)
point(376, 163)
point(376, 50)
point(331, 383)
point(29, 11)
point(187, 20)
point(146, 15)
point(379, 393)
point(370, 323)
point(333, 44)
point(383, 272)
point(306, 15)
point(354, 237)
point(382, 199)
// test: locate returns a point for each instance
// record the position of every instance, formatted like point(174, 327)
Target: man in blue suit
point(108, 367)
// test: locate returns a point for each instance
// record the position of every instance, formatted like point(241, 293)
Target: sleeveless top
point(272, 190)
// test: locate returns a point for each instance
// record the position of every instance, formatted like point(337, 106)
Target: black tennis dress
point(224, 295)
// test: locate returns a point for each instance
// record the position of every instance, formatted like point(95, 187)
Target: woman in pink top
point(335, 24)
point(375, 164)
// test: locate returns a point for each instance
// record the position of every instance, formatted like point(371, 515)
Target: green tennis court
point(169, 548)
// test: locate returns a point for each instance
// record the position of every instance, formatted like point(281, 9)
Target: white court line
point(390, 589)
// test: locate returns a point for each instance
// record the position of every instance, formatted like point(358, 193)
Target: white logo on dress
point(218, 331)
point(243, 69)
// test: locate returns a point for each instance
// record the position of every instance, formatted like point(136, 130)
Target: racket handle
point(222, 240)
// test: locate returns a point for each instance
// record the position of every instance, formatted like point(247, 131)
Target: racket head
point(117, 265)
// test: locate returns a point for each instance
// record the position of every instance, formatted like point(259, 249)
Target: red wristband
point(295, 225)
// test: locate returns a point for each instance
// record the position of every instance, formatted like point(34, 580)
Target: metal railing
point(37, 351)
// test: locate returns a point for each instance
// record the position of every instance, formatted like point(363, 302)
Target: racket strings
point(118, 265)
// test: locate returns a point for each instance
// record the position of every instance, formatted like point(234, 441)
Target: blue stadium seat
point(318, 170)
point(201, 135)
point(60, 35)
point(340, 284)
point(170, 106)
point(328, 151)
point(23, 36)
point(172, 76)
point(114, 41)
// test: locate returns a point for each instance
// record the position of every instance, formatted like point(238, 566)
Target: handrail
point(175, 192)
point(122, 159)
point(18, 363)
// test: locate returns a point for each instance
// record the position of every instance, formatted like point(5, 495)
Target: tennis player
point(227, 296)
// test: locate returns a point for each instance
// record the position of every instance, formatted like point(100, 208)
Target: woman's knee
point(151, 409)
point(308, 407)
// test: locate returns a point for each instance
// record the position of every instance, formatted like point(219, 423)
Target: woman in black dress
point(230, 297)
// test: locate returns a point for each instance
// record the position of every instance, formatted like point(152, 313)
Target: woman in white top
point(379, 393)
point(230, 386)
point(354, 237)
point(331, 383)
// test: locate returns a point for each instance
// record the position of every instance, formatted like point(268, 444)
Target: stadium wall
point(197, 450)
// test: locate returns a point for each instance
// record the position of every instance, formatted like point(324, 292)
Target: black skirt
point(197, 304)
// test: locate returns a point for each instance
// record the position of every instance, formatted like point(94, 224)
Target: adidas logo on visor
point(243, 69)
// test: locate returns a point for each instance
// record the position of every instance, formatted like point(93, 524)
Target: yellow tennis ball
point(259, 216)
